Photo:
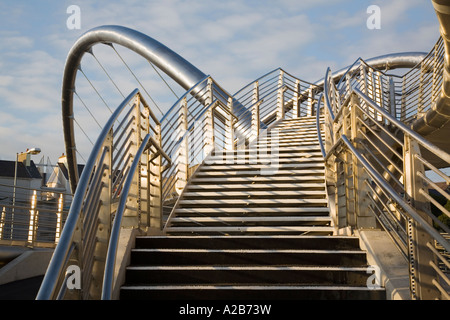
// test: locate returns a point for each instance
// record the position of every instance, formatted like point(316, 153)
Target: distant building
point(28, 177)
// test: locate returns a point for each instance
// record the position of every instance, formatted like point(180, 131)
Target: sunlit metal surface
point(179, 69)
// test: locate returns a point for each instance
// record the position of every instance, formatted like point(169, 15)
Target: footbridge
point(265, 193)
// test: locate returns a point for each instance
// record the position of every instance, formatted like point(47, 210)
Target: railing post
point(32, 227)
point(403, 104)
point(183, 153)
point(2, 222)
point(309, 111)
point(346, 174)
point(59, 218)
point(392, 104)
point(132, 215)
point(209, 120)
point(280, 96)
point(364, 217)
point(143, 170)
point(155, 184)
point(296, 104)
point(255, 112)
point(229, 127)
point(421, 273)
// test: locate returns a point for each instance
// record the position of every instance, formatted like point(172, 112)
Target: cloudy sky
point(235, 41)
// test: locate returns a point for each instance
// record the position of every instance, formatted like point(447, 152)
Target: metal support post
point(296, 101)
point(310, 108)
point(156, 184)
point(255, 112)
point(209, 121)
point(364, 217)
point(392, 106)
point(229, 127)
point(59, 218)
point(132, 214)
point(103, 230)
point(182, 152)
point(280, 96)
point(422, 274)
point(32, 227)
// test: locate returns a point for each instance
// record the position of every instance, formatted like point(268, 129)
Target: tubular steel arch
point(175, 66)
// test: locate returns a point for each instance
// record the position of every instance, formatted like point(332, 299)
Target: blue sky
point(234, 41)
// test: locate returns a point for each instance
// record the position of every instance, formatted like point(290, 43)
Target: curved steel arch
point(175, 66)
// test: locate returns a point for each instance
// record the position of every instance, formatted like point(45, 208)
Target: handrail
point(60, 255)
point(425, 143)
point(319, 135)
point(383, 185)
point(381, 182)
point(326, 90)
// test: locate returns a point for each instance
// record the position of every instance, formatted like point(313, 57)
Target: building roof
point(65, 172)
point(7, 169)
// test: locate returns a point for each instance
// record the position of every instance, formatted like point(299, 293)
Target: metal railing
point(274, 96)
point(83, 245)
point(383, 175)
point(407, 96)
point(37, 218)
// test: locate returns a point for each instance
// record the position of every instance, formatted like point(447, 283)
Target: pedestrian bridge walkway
point(267, 192)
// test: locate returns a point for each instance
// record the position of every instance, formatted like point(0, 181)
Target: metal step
point(250, 242)
point(279, 194)
point(252, 211)
point(259, 229)
point(226, 257)
point(246, 202)
point(255, 186)
point(246, 275)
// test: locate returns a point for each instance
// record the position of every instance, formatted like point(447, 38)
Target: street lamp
point(20, 154)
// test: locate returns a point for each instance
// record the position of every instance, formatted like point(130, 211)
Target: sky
point(234, 41)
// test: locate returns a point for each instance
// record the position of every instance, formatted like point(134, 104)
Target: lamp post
point(27, 154)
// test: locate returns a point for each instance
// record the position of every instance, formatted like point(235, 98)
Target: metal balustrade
point(382, 170)
point(36, 220)
point(85, 237)
point(406, 96)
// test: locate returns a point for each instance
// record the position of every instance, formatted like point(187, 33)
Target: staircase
point(242, 231)
point(277, 186)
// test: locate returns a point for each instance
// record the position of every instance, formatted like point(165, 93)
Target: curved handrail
point(115, 230)
point(406, 130)
point(60, 254)
point(398, 199)
point(179, 69)
point(319, 135)
point(326, 90)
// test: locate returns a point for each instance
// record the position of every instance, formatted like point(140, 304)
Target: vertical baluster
point(255, 125)
point(392, 106)
point(33, 219)
point(309, 111)
point(2, 222)
point(296, 102)
point(280, 96)
point(423, 274)
point(59, 218)
point(182, 152)
point(229, 127)
point(209, 121)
